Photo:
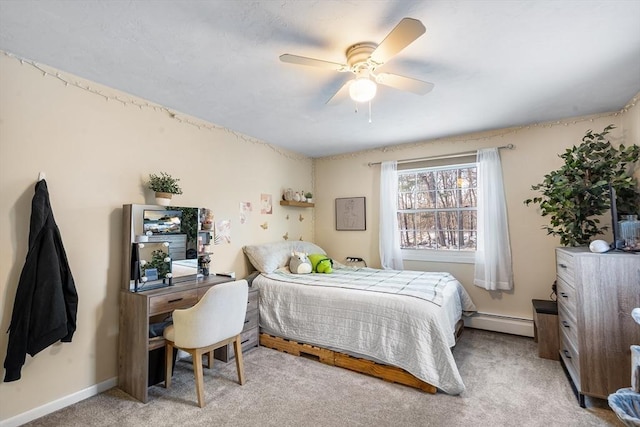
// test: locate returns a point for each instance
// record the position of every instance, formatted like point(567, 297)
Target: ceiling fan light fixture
point(363, 89)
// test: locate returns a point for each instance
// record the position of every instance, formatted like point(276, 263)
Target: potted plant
point(309, 197)
point(164, 186)
point(575, 195)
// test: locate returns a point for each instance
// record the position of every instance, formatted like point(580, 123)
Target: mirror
point(170, 240)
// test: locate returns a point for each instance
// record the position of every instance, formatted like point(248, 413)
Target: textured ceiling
point(494, 64)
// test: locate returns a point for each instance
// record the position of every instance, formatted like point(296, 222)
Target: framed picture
point(350, 214)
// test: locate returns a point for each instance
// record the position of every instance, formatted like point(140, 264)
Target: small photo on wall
point(222, 232)
point(245, 210)
point(266, 206)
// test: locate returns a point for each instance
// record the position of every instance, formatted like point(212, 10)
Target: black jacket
point(46, 303)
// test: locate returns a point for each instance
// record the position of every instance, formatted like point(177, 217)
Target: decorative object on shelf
point(296, 197)
point(309, 197)
point(576, 194)
point(165, 186)
point(630, 232)
point(204, 261)
point(350, 214)
point(599, 246)
point(207, 219)
point(288, 194)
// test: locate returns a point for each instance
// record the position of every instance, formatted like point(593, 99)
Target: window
point(437, 212)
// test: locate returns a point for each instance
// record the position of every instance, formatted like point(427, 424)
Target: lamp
point(363, 89)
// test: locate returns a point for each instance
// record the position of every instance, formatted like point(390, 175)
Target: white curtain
point(493, 255)
point(390, 254)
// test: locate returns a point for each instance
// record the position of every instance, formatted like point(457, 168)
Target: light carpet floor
point(506, 385)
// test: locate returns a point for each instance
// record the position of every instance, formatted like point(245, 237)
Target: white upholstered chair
point(216, 320)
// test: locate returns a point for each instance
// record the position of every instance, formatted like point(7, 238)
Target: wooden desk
point(137, 310)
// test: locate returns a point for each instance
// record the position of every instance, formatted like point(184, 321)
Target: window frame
point(435, 255)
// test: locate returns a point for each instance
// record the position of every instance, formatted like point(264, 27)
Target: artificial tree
point(575, 195)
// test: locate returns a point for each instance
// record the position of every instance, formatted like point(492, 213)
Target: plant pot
point(163, 199)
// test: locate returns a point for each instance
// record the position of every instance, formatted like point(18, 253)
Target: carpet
point(506, 385)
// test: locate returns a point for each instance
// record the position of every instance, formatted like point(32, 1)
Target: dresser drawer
point(568, 326)
point(248, 339)
point(169, 302)
point(565, 267)
point(570, 356)
point(566, 298)
point(251, 321)
point(253, 300)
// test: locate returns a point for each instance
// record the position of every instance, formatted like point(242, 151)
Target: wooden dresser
point(596, 293)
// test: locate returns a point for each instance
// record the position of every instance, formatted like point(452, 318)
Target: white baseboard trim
point(499, 323)
point(58, 404)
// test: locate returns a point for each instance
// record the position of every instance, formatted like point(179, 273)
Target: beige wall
point(536, 153)
point(95, 154)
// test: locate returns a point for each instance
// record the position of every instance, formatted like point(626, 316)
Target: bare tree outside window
point(437, 208)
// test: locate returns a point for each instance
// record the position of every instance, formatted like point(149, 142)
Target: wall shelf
point(296, 204)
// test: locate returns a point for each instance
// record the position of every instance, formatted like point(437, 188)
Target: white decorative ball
point(599, 246)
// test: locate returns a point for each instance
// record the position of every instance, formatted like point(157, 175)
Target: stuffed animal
point(320, 263)
point(299, 263)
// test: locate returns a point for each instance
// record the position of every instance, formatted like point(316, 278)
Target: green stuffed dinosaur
point(320, 263)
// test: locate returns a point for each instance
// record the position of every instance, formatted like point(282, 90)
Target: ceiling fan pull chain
point(369, 111)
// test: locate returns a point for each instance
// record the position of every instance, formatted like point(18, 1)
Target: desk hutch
point(141, 308)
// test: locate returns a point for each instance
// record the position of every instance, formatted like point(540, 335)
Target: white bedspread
point(400, 330)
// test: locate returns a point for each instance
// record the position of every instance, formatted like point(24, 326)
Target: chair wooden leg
point(237, 349)
point(168, 357)
point(197, 371)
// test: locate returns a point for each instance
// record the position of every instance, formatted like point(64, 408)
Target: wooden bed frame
point(363, 366)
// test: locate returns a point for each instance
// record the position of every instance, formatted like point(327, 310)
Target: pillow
point(268, 257)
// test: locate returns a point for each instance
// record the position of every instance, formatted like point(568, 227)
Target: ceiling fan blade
point(407, 84)
point(341, 94)
point(405, 33)
point(303, 60)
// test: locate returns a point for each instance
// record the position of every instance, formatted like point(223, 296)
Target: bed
point(403, 319)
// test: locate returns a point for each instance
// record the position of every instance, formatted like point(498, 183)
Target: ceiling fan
point(363, 59)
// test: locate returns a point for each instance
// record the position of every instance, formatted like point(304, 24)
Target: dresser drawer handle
point(564, 295)
point(567, 354)
point(565, 324)
point(246, 321)
point(562, 265)
point(171, 301)
point(245, 341)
